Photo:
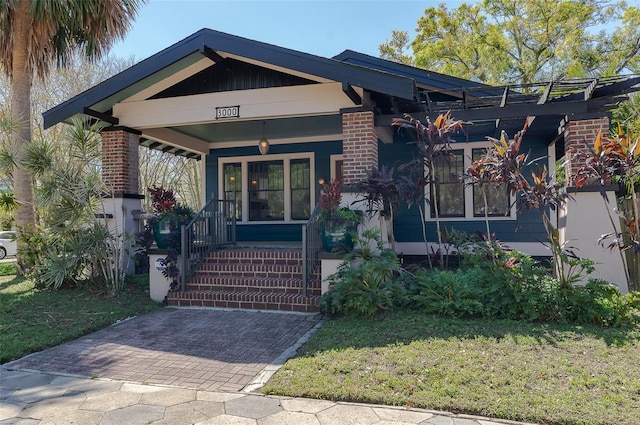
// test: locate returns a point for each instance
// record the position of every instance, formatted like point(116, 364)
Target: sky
point(320, 27)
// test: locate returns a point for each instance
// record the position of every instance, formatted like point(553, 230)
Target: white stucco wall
point(122, 223)
point(585, 220)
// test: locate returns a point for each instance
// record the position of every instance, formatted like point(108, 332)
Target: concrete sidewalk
point(36, 398)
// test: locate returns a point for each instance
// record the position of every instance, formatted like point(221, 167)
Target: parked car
point(8, 244)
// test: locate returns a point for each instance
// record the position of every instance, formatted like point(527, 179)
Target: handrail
point(311, 247)
point(212, 227)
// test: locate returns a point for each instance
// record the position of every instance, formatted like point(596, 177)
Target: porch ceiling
point(216, 134)
point(285, 128)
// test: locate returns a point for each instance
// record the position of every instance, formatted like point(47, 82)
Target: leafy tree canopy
point(523, 41)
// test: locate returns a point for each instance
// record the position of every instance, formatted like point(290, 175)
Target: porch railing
point(311, 247)
point(213, 227)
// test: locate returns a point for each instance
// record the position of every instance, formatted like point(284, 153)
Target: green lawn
point(552, 374)
point(31, 320)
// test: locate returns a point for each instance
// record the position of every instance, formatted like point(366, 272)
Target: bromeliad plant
point(617, 159)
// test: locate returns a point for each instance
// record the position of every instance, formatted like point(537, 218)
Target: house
point(217, 97)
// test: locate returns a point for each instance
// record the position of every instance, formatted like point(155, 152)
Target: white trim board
point(274, 102)
point(418, 248)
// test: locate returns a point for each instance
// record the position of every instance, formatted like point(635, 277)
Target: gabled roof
point(394, 89)
point(214, 45)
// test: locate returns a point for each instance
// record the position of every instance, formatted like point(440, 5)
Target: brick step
point(245, 255)
point(201, 282)
point(276, 271)
point(245, 300)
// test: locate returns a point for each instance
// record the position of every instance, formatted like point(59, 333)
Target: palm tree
point(35, 35)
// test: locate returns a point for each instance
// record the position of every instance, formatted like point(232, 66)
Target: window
point(300, 189)
point(337, 167)
point(497, 197)
point(233, 186)
point(454, 199)
point(448, 195)
point(274, 190)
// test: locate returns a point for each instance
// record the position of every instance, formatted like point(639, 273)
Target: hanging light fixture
point(263, 144)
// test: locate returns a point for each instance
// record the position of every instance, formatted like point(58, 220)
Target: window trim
point(244, 165)
point(333, 160)
point(467, 148)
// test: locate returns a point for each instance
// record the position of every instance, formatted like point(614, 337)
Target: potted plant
point(168, 217)
point(339, 224)
point(163, 226)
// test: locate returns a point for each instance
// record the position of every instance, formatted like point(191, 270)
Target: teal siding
point(407, 227)
point(272, 231)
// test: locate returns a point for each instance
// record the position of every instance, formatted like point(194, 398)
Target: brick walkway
point(205, 349)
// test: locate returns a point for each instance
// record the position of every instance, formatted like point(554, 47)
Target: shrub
point(446, 293)
point(36, 242)
point(366, 282)
point(598, 302)
point(495, 283)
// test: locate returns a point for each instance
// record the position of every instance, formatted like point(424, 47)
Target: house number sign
point(223, 112)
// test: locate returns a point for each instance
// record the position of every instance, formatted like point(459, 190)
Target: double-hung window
point(496, 197)
point(273, 189)
point(454, 199)
point(447, 190)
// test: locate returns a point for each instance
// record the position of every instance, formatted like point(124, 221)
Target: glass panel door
point(266, 190)
point(300, 189)
point(233, 186)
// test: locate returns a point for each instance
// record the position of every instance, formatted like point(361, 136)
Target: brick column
point(120, 172)
point(120, 166)
point(359, 145)
point(577, 136)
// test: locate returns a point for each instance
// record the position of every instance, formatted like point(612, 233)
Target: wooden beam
point(101, 116)
point(167, 136)
point(255, 104)
point(212, 54)
point(351, 93)
point(545, 95)
point(513, 111)
point(503, 103)
point(588, 92)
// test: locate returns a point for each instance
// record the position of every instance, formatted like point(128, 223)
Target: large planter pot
point(338, 236)
point(166, 233)
point(158, 284)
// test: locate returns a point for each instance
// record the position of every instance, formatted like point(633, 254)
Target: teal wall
point(407, 228)
point(527, 228)
point(272, 231)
